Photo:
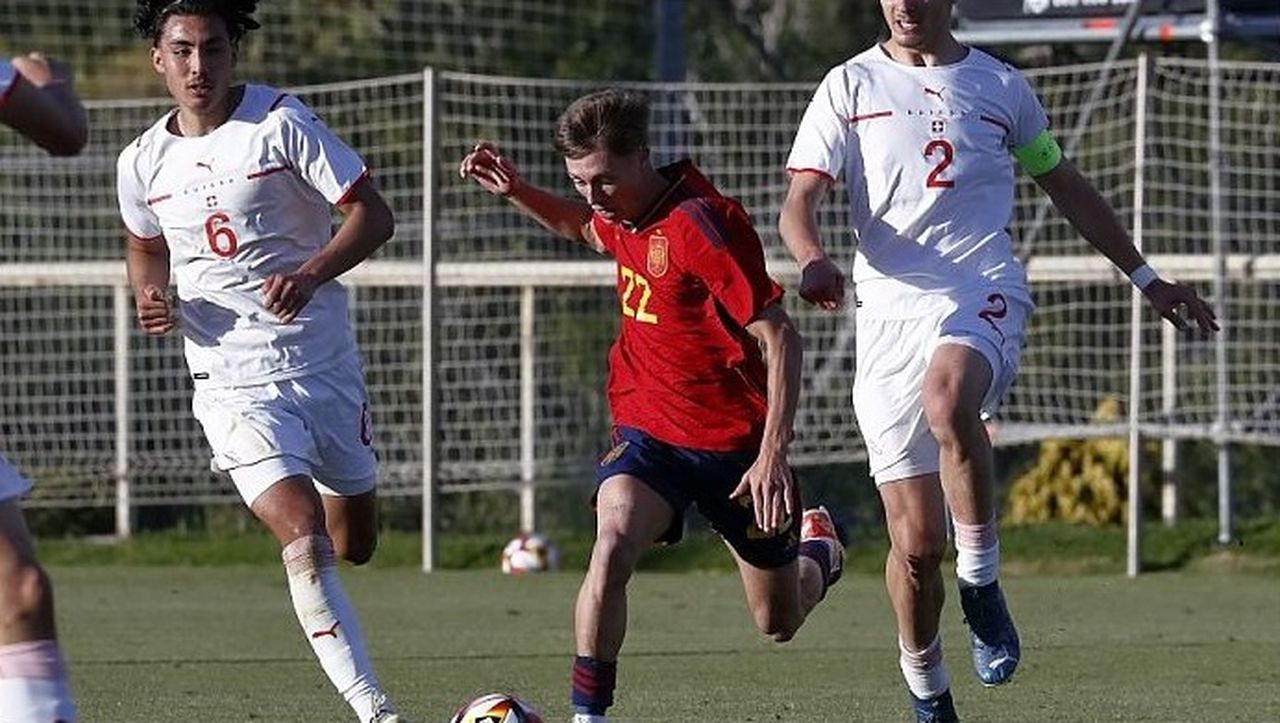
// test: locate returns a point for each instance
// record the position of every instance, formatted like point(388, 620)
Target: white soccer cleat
point(818, 525)
point(585, 718)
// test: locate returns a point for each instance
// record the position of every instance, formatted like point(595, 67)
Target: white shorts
point(12, 484)
point(893, 355)
point(317, 425)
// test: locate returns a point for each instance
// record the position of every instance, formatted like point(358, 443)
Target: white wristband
point(1143, 276)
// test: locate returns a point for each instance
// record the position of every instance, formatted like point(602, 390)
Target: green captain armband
point(1041, 155)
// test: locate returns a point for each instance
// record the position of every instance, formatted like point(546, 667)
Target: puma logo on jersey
point(931, 91)
point(332, 632)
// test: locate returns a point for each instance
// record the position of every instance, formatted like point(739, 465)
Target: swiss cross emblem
point(939, 127)
point(656, 260)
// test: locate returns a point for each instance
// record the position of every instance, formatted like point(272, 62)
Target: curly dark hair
point(151, 15)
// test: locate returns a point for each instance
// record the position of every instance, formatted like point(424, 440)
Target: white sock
point(33, 684)
point(925, 672)
point(977, 553)
point(588, 718)
point(329, 622)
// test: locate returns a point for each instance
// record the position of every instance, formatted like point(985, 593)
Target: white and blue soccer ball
point(496, 708)
point(529, 552)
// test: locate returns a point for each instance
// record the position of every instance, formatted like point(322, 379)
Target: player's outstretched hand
point(822, 284)
point(285, 294)
point(771, 490)
point(1169, 299)
point(41, 71)
point(155, 315)
point(491, 170)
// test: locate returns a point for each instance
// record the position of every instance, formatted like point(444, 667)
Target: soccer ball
point(496, 708)
point(529, 552)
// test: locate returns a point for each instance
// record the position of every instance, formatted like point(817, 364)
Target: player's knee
point(357, 551)
point(27, 596)
point(920, 552)
point(778, 625)
point(613, 558)
point(948, 419)
point(941, 410)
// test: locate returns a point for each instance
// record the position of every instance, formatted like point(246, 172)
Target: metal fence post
point(1136, 303)
point(1168, 405)
point(120, 354)
point(1222, 414)
point(528, 352)
point(429, 182)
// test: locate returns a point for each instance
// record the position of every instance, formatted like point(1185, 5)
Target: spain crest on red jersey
point(657, 259)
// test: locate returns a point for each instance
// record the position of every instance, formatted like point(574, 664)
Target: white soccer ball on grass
point(529, 552)
point(496, 708)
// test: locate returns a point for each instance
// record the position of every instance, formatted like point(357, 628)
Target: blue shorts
point(686, 476)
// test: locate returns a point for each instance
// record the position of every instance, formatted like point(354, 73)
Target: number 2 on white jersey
point(935, 179)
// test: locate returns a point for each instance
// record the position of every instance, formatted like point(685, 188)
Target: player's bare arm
point(147, 261)
point(565, 217)
point(1092, 216)
point(821, 281)
point(773, 490)
point(367, 225)
point(43, 107)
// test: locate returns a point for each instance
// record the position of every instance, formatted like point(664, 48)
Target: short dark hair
point(151, 15)
point(612, 120)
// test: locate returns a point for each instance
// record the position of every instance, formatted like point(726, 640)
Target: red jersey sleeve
point(723, 249)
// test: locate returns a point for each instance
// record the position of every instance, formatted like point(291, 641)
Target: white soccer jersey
point(248, 200)
point(926, 156)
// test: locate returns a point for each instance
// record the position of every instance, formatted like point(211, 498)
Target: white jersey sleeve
point(8, 79)
point(321, 159)
point(823, 136)
point(131, 194)
point(1029, 119)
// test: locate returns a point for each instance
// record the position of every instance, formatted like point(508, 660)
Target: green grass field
point(221, 644)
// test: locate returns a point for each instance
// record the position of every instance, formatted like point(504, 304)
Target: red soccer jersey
point(691, 276)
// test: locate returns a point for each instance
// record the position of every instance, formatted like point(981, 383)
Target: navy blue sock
point(819, 552)
point(593, 683)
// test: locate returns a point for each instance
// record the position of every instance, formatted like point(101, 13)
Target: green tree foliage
point(773, 40)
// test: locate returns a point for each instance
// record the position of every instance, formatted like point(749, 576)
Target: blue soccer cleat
point(996, 648)
point(935, 710)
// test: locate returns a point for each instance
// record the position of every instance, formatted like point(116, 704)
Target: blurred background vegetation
point(316, 41)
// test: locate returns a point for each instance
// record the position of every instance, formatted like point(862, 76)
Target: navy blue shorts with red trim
point(685, 477)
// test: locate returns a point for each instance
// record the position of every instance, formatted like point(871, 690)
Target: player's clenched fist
point(285, 294)
point(155, 313)
point(822, 284)
point(494, 173)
